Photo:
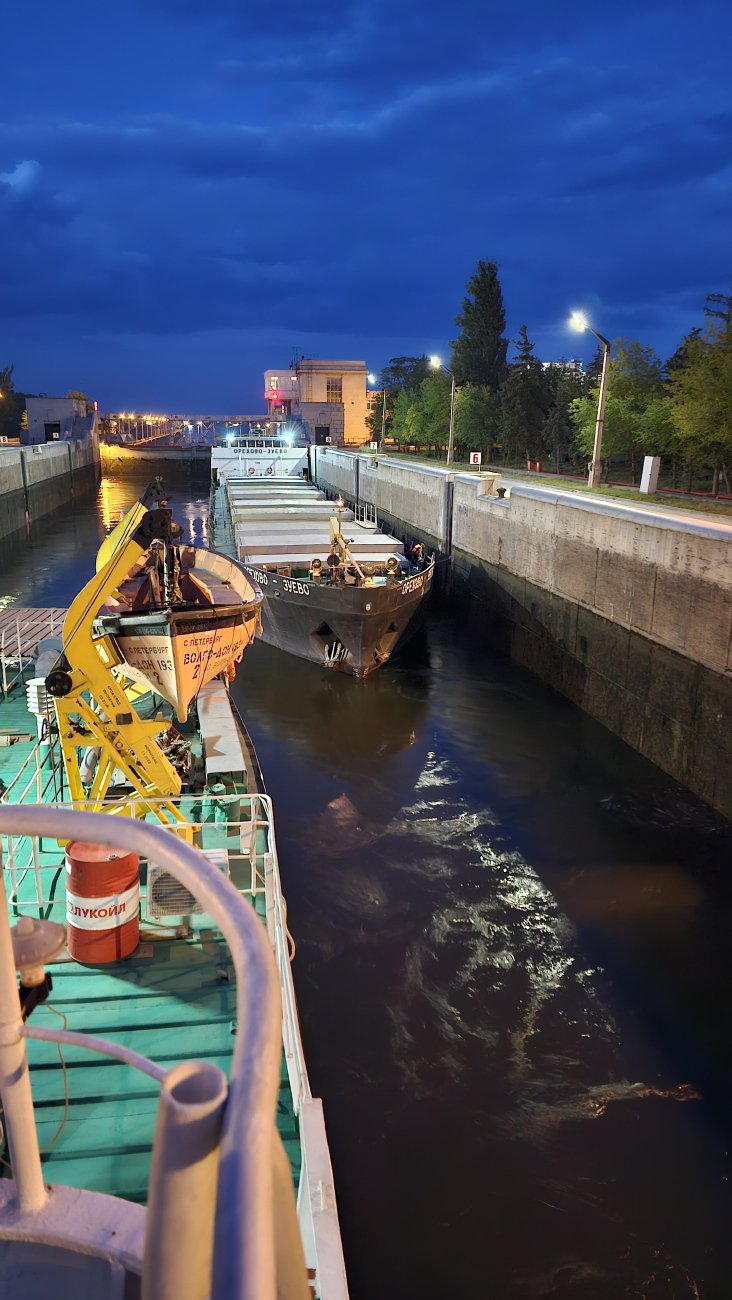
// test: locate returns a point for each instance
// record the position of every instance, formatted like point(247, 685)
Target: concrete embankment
point(626, 609)
point(37, 480)
point(174, 464)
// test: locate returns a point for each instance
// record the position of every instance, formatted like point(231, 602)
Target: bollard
point(182, 1193)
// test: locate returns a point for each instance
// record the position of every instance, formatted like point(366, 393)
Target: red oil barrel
point(102, 902)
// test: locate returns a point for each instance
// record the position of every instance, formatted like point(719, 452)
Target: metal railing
point(364, 513)
point(250, 837)
point(251, 1214)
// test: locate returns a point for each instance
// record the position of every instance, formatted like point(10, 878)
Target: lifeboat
point(182, 616)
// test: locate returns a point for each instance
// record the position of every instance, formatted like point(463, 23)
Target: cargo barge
point(337, 591)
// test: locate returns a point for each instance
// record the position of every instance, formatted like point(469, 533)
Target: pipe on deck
point(179, 1230)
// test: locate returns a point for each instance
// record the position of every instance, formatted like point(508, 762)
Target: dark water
point(512, 967)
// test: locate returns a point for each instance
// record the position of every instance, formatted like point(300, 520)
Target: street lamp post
point(593, 478)
point(372, 380)
point(437, 365)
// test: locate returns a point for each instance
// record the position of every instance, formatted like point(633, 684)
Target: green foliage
point(701, 388)
point(401, 375)
point(477, 418)
point(525, 402)
point(479, 352)
point(373, 419)
point(422, 415)
point(80, 397)
point(404, 373)
point(565, 385)
point(12, 404)
point(681, 356)
point(682, 409)
point(637, 417)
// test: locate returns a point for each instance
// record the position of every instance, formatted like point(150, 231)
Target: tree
point(401, 374)
point(404, 372)
point(12, 404)
point(593, 369)
point(636, 420)
point(374, 420)
point(477, 418)
point(479, 352)
point(422, 415)
point(683, 352)
point(525, 402)
point(701, 390)
point(565, 383)
point(80, 397)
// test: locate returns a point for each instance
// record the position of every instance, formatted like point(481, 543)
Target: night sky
point(192, 189)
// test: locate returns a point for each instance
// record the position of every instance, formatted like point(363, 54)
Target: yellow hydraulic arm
point(84, 669)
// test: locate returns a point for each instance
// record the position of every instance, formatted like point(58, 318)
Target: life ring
point(251, 470)
point(270, 469)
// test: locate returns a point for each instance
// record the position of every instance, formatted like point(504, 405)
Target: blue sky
point(190, 189)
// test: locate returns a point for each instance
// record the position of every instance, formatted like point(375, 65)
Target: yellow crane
point(94, 700)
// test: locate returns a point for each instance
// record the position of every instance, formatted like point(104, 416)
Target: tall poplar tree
point(479, 352)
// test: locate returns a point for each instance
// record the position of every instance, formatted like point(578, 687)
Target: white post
point(15, 1086)
point(649, 476)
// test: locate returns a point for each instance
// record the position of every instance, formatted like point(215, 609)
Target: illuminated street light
point(578, 322)
point(437, 365)
point(372, 380)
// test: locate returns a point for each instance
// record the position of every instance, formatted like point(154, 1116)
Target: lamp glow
point(577, 322)
point(372, 379)
point(435, 363)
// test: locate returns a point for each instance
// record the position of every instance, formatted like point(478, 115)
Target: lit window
point(274, 381)
point(334, 390)
point(293, 379)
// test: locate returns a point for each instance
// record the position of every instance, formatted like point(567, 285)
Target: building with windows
point(59, 419)
point(329, 397)
point(572, 367)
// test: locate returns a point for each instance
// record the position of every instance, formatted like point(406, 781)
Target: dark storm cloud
point(340, 168)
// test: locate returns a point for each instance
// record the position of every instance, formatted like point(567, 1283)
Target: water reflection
point(486, 894)
point(47, 564)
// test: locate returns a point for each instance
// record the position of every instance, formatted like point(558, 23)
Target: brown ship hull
point(353, 630)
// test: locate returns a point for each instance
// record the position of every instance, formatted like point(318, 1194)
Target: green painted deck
point(173, 1000)
point(176, 1005)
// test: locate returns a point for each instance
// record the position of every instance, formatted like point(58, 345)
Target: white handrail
point(244, 1261)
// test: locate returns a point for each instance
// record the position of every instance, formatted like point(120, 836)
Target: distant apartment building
point(572, 367)
point(58, 419)
point(329, 397)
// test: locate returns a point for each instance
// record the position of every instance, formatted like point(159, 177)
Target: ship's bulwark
point(352, 629)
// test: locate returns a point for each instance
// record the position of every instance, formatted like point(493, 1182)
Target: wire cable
point(59, 1130)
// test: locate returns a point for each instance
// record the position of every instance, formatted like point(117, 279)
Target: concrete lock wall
point(415, 498)
point(36, 480)
point(626, 611)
